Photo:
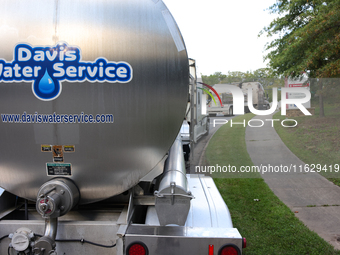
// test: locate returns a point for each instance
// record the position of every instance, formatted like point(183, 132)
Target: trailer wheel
point(207, 127)
point(186, 150)
point(231, 111)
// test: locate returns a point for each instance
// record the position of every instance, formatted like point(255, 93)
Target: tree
point(263, 75)
point(235, 76)
point(213, 79)
point(308, 40)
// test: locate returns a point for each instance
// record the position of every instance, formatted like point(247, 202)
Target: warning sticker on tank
point(46, 67)
point(46, 148)
point(58, 154)
point(69, 148)
point(58, 169)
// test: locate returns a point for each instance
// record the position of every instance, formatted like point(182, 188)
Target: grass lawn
point(269, 226)
point(315, 140)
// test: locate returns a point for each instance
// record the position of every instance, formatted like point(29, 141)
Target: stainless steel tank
point(93, 91)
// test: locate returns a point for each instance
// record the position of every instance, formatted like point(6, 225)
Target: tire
point(231, 111)
point(186, 150)
point(207, 128)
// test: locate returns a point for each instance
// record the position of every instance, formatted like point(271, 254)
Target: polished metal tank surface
point(139, 93)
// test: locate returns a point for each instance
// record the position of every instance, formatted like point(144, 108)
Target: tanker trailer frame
point(129, 223)
point(196, 122)
point(92, 97)
point(168, 212)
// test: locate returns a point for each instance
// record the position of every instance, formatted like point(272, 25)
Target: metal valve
point(22, 240)
point(55, 198)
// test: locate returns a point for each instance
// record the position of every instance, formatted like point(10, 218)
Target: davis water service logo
point(47, 67)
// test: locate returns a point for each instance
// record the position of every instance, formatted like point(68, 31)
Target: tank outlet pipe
point(55, 198)
point(173, 197)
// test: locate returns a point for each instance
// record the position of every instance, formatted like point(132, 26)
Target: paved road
point(200, 146)
point(314, 199)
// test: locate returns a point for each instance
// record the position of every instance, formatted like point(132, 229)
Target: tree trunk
point(322, 111)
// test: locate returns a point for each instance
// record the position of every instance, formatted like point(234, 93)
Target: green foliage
point(213, 79)
point(269, 89)
point(308, 38)
point(263, 75)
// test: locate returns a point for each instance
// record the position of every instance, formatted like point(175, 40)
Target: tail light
point(211, 249)
point(137, 248)
point(229, 249)
point(244, 243)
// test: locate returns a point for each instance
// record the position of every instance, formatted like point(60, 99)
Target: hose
point(81, 241)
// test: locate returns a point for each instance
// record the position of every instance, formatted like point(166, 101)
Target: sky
point(222, 35)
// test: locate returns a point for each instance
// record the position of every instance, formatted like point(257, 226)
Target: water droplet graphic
point(46, 84)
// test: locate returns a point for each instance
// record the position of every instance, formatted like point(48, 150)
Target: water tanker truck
point(259, 98)
point(92, 98)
